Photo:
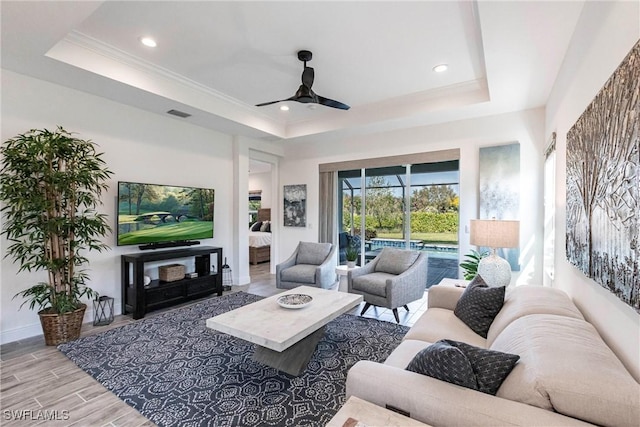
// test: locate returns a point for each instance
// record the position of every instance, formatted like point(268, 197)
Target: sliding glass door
point(405, 206)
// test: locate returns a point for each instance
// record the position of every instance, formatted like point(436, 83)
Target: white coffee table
point(286, 338)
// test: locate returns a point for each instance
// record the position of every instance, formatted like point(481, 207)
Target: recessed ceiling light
point(148, 41)
point(284, 107)
point(440, 68)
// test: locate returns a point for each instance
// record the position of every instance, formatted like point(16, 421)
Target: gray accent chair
point(312, 264)
point(392, 279)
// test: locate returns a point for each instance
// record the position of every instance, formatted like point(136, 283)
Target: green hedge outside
point(421, 222)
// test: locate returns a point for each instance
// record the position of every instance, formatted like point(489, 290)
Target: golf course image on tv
point(152, 213)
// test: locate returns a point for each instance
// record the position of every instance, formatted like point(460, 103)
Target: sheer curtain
point(328, 197)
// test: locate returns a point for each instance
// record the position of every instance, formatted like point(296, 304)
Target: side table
point(342, 271)
point(357, 410)
point(458, 283)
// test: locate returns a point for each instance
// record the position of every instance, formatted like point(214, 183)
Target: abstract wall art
point(499, 182)
point(295, 205)
point(603, 185)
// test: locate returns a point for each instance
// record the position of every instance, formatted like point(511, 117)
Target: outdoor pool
point(435, 250)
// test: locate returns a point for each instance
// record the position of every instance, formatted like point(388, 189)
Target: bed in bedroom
point(260, 238)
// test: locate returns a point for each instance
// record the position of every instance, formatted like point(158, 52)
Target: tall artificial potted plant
point(50, 186)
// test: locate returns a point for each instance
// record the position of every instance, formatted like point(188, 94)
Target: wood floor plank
point(29, 388)
point(47, 397)
point(132, 418)
point(8, 381)
point(18, 401)
point(16, 361)
point(103, 415)
point(93, 391)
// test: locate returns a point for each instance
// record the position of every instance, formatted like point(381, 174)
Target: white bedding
point(259, 238)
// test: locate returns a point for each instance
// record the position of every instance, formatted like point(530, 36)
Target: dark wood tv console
point(138, 299)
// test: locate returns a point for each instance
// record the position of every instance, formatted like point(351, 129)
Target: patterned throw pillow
point(264, 226)
point(445, 362)
point(256, 226)
point(490, 366)
point(479, 304)
point(464, 365)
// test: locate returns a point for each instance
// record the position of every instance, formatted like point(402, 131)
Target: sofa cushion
point(372, 283)
point(395, 261)
point(565, 366)
point(300, 273)
point(439, 323)
point(464, 365)
point(446, 362)
point(312, 253)
point(479, 304)
point(524, 300)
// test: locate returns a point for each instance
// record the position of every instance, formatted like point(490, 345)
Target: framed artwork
point(499, 183)
point(295, 205)
point(603, 185)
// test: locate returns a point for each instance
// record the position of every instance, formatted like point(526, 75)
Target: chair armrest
point(442, 296)
point(365, 269)
point(409, 285)
point(439, 403)
point(360, 271)
point(326, 272)
point(289, 262)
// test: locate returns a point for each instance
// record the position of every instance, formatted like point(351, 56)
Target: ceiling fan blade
point(332, 103)
point(307, 76)
point(269, 103)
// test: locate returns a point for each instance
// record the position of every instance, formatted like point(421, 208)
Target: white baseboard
point(20, 333)
point(35, 329)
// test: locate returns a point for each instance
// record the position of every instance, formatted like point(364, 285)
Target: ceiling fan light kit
point(304, 94)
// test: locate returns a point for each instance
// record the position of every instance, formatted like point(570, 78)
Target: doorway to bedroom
point(259, 221)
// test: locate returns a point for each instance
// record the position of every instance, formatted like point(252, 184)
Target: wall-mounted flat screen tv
point(154, 214)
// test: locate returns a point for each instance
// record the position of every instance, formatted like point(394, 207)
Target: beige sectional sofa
point(566, 374)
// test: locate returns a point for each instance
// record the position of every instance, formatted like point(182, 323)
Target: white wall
point(300, 166)
point(138, 146)
point(605, 34)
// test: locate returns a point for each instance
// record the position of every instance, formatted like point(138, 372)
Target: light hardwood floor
point(38, 382)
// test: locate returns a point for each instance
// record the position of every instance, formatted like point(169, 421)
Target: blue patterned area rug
point(176, 372)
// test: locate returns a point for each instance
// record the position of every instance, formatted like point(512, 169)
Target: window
point(549, 212)
point(255, 201)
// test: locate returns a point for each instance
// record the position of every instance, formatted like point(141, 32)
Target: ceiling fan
point(304, 93)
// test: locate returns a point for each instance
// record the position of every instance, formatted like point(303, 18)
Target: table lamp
point(495, 234)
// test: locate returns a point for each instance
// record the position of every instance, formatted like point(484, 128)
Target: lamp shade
point(495, 233)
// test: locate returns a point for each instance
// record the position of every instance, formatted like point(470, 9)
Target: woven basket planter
point(61, 328)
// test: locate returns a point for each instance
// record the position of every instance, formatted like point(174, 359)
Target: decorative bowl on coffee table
point(294, 300)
